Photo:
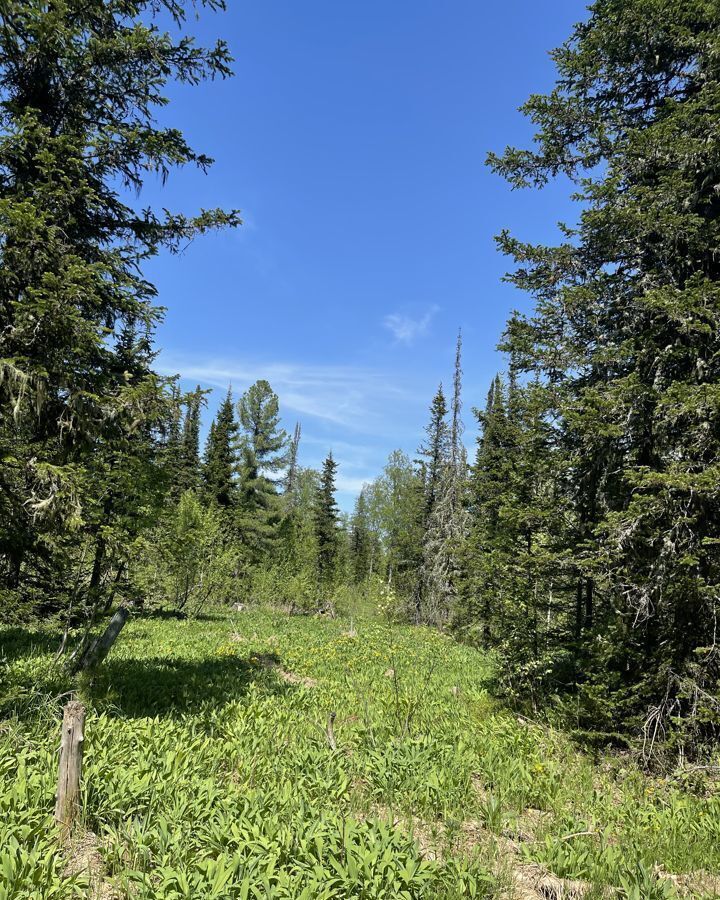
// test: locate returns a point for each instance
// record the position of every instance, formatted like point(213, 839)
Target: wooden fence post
point(101, 646)
point(67, 801)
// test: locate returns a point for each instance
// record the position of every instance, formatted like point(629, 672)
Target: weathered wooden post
point(101, 646)
point(67, 800)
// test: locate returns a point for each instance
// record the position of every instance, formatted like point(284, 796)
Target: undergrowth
point(210, 773)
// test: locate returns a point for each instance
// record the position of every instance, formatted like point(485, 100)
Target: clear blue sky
point(353, 139)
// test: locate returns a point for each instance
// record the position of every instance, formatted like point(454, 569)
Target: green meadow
point(215, 768)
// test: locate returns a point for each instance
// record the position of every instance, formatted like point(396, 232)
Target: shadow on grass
point(173, 615)
point(159, 686)
point(17, 642)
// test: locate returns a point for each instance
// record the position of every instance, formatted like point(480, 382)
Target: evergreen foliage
point(263, 453)
point(623, 351)
point(219, 466)
point(81, 411)
point(362, 545)
point(188, 471)
point(327, 523)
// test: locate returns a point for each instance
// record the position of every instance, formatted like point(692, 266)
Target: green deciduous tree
point(395, 504)
point(184, 563)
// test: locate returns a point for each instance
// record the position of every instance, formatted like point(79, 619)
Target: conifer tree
point(435, 452)
point(433, 589)
point(362, 540)
point(625, 339)
point(327, 520)
point(220, 462)
point(263, 454)
point(189, 450)
point(484, 559)
point(292, 468)
point(81, 82)
point(457, 517)
point(457, 456)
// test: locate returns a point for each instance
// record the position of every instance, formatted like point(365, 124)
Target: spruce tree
point(484, 560)
point(263, 454)
point(292, 466)
point(219, 467)
point(626, 339)
point(81, 83)
point(455, 530)
point(435, 452)
point(188, 476)
point(434, 589)
point(327, 520)
point(362, 540)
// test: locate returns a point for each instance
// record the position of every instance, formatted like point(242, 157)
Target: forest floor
point(214, 768)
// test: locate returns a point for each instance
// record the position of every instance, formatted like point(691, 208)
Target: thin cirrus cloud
point(354, 398)
point(406, 329)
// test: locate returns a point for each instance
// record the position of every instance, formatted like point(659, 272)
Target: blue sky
point(353, 138)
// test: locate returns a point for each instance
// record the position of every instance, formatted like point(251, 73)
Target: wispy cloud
point(352, 397)
point(349, 484)
point(406, 329)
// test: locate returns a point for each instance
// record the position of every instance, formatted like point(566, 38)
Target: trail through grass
point(209, 773)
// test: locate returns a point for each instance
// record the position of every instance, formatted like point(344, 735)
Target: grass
point(209, 773)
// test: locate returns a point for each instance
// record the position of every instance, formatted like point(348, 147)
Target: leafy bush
point(184, 562)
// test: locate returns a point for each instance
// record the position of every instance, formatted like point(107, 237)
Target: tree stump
point(67, 801)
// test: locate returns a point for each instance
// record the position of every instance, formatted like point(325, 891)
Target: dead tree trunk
point(67, 801)
point(101, 646)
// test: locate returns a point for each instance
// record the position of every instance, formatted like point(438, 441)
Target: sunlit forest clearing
point(434, 614)
point(213, 768)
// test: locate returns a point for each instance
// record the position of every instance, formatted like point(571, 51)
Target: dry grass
point(84, 859)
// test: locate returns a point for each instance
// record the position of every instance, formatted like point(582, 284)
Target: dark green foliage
point(327, 523)
point(291, 479)
point(188, 473)
point(263, 453)
point(219, 466)
point(442, 473)
point(624, 346)
point(434, 453)
point(363, 541)
point(82, 415)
